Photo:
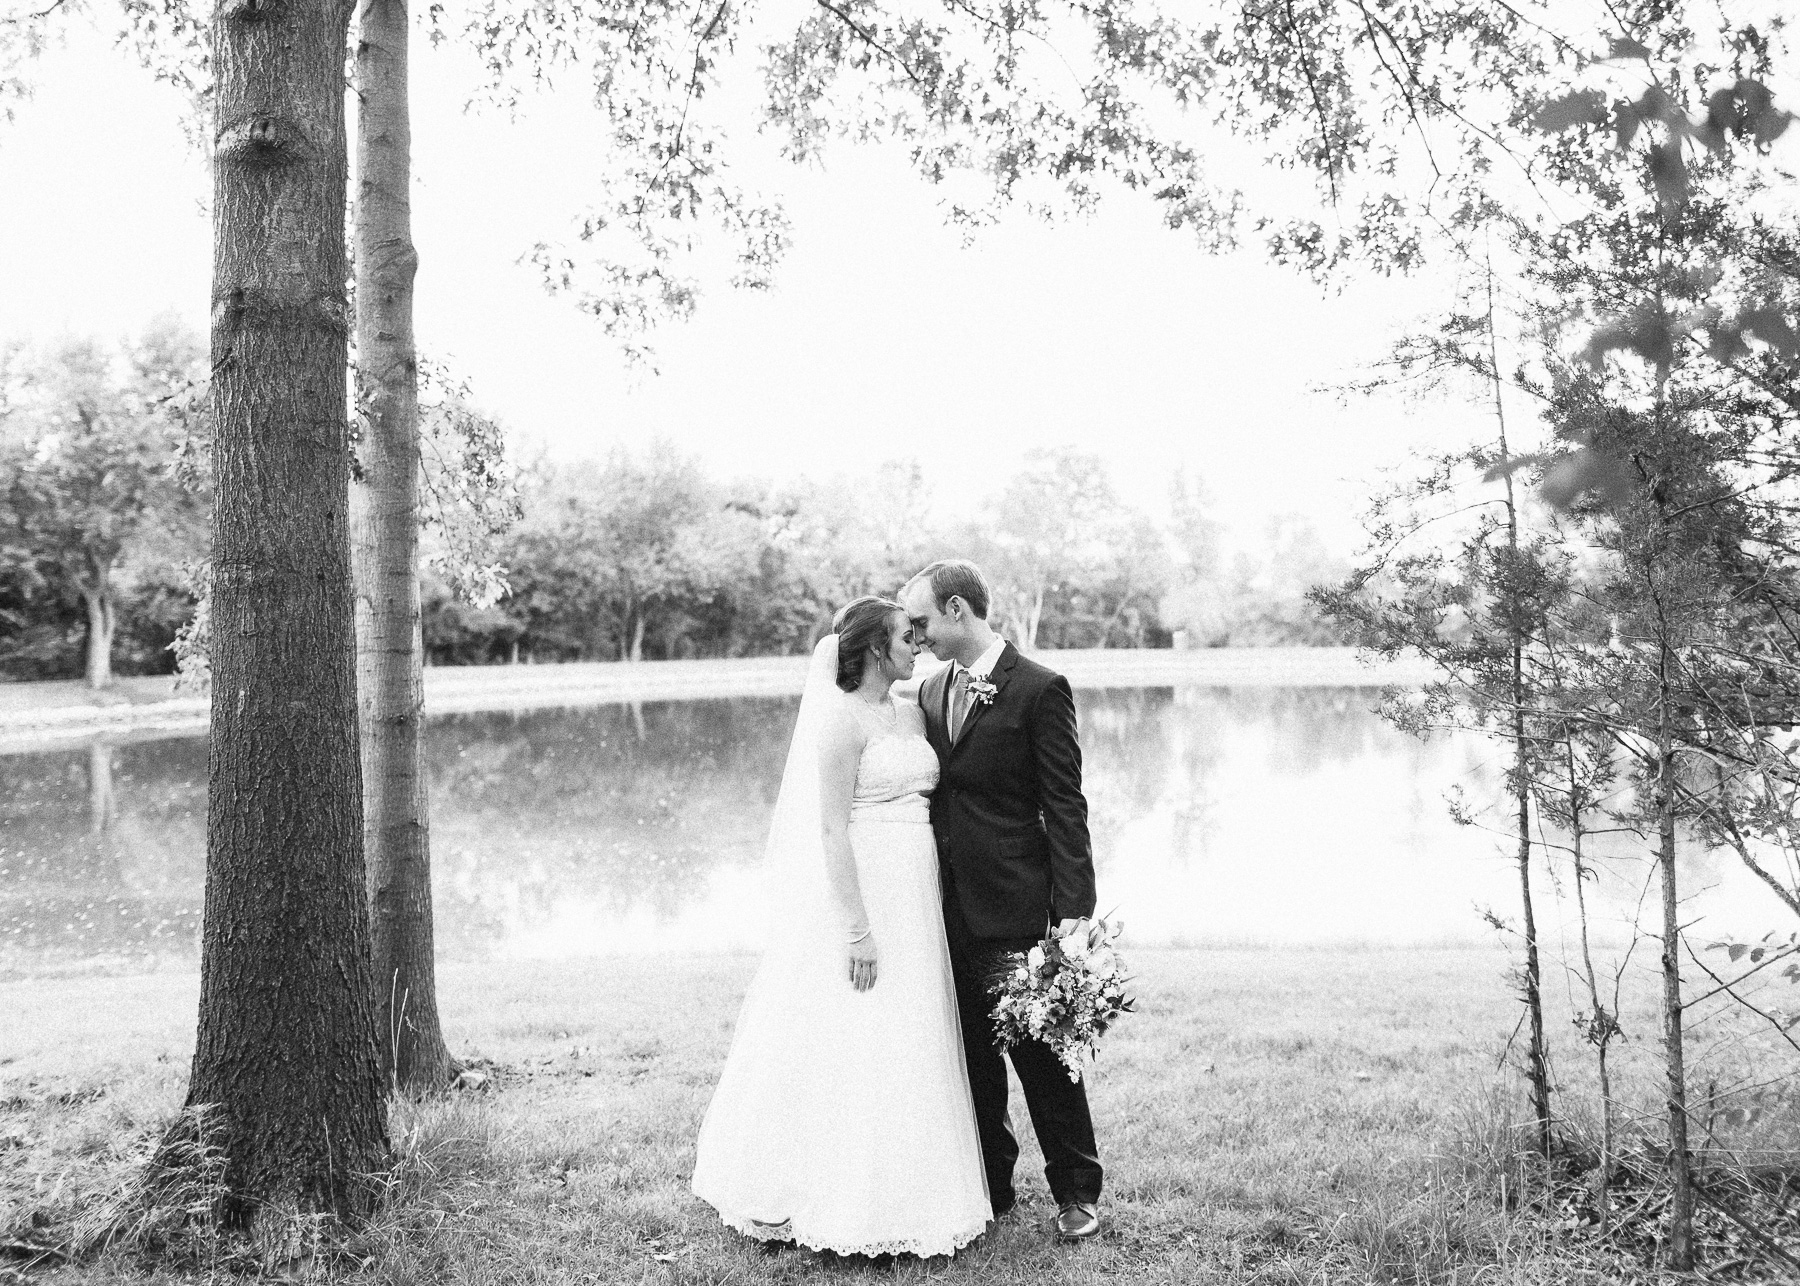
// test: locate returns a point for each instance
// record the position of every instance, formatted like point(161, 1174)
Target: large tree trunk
point(102, 622)
point(385, 537)
point(285, 1064)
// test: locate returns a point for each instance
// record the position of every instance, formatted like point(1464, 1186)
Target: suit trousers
point(1058, 1106)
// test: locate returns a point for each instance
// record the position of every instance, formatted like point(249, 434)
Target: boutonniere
point(982, 690)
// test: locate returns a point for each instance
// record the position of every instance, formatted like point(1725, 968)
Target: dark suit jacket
point(1010, 818)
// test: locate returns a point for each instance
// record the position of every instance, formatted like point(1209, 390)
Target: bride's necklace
point(885, 710)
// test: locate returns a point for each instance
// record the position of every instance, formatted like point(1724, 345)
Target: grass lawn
point(1271, 1116)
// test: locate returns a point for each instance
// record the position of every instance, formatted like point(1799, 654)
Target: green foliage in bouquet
point(1066, 991)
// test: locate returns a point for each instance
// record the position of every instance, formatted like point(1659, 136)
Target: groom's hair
point(956, 578)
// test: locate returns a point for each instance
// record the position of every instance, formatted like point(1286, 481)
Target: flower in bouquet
point(1066, 991)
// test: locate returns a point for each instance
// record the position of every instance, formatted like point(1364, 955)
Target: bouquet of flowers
point(1066, 991)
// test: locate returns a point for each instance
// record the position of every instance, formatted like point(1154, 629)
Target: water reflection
point(102, 853)
point(1265, 814)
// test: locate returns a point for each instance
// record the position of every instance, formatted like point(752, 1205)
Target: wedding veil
point(798, 900)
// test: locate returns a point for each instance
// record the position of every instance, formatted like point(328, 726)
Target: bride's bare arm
point(840, 750)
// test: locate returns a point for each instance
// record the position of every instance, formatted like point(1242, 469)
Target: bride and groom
point(915, 844)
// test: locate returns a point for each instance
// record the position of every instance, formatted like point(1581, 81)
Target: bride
point(842, 1120)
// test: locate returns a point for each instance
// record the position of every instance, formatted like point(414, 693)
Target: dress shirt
point(960, 701)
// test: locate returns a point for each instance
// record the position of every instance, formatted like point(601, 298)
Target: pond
point(1284, 816)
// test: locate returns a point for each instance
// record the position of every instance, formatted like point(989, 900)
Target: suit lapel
point(999, 677)
point(934, 702)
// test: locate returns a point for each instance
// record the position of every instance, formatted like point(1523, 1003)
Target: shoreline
point(42, 714)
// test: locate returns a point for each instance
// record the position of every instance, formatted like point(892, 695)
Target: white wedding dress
point(842, 1119)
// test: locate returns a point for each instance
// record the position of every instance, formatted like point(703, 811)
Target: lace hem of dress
point(902, 1246)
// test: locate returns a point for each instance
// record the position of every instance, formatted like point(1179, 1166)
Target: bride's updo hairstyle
point(861, 624)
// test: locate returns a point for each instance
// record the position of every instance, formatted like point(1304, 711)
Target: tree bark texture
point(385, 542)
point(285, 1062)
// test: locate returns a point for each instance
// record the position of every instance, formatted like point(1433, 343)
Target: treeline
point(635, 556)
point(648, 556)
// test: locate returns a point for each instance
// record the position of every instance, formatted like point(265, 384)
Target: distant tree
point(457, 632)
point(1129, 586)
point(844, 536)
point(87, 470)
point(42, 631)
point(1195, 533)
point(609, 554)
point(1050, 531)
point(1254, 597)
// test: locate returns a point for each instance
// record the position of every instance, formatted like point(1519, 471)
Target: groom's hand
point(1065, 927)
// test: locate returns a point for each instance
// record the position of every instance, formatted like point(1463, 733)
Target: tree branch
point(39, 16)
point(1780, 1027)
point(1312, 86)
point(869, 39)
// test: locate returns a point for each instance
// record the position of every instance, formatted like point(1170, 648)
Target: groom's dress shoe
point(1077, 1221)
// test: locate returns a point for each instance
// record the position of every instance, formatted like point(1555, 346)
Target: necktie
point(959, 702)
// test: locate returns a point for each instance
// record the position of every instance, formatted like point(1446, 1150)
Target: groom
point(1013, 849)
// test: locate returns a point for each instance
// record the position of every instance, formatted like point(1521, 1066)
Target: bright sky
point(884, 338)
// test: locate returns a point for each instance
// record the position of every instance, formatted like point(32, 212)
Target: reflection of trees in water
point(102, 849)
point(1127, 741)
point(102, 801)
point(638, 806)
point(1308, 729)
point(634, 805)
point(616, 806)
point(1146, 748)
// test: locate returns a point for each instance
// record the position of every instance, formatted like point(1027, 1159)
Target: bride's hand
point(862, 956)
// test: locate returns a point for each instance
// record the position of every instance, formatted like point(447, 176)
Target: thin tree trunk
point(1681, 1199)
point(637, 638)
point(1118, 613)
point(102, 623)
point(1681, 1196)
point(1537, 1056)
point(285, 1076)
point(1538, 1063)
point(1605, 1025)
point(385, 540)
